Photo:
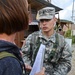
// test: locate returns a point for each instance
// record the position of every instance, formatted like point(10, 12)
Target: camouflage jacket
point(57, 61)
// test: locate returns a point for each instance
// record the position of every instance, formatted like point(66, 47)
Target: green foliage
point(73, 39)
point(68, 34)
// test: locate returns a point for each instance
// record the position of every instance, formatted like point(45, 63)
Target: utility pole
point(73, 18)
point(73, 12)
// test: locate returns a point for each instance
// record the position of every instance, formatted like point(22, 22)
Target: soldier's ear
point(54, 24)
point(55, 19)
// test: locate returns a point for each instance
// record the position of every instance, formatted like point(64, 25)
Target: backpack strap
point(35, 40)
point(6, 54)
point(38, 43)
point(55, 45)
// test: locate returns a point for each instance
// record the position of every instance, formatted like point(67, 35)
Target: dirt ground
point(72, 72)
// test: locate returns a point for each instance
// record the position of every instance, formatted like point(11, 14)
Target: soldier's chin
point(45, 30)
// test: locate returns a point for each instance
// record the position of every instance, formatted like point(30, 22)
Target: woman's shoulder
point(11, 65)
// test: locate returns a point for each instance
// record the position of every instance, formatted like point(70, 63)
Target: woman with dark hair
point(13, 19)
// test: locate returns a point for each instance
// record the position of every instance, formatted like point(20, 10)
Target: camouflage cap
point(46, 13)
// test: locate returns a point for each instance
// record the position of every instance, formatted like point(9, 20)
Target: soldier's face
point(47, 25)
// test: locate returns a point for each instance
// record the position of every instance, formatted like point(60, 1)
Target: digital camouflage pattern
point(57, 58)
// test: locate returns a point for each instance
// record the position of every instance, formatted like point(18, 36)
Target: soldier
point(57, 57)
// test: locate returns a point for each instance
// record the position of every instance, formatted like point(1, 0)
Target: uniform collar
point(51, 38)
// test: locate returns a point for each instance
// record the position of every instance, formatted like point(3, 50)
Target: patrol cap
point(46, 13)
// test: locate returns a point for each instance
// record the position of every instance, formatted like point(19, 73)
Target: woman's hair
point(13, 16)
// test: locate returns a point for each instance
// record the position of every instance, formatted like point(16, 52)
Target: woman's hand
point(28, 67)
point(42, 72)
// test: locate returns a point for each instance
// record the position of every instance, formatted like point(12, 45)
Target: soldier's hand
point(42, 72)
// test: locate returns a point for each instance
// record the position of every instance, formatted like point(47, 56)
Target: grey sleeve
point(64, 65)
point(26, 50)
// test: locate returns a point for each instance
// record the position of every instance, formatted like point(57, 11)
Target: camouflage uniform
point(59, 63)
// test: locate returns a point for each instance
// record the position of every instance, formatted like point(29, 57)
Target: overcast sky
point(66, 13)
